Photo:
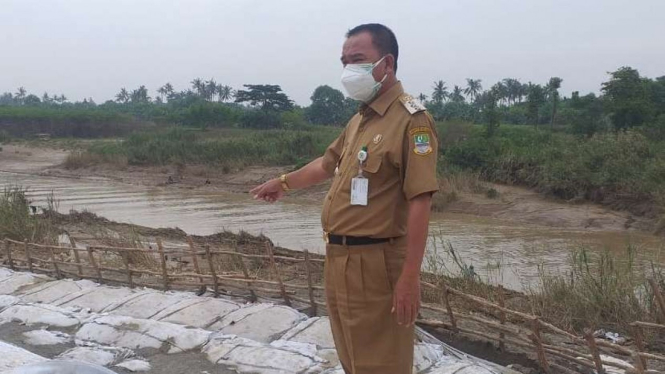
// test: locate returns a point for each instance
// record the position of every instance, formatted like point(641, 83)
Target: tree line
point(627, 100)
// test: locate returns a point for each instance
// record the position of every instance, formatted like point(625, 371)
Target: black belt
point(353, 240)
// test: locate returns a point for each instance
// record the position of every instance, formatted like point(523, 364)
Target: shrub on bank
point(221, 147)
point(623, 169)
point(18, 220)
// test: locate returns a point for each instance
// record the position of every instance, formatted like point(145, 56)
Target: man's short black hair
point(383, 38)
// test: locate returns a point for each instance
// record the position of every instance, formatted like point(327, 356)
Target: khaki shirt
point(402, 151)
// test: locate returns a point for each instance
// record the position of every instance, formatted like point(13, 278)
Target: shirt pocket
point(373, 164)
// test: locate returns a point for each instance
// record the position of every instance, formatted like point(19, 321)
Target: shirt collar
point(380, 104)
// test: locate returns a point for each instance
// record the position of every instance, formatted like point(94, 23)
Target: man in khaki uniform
point(376, 214)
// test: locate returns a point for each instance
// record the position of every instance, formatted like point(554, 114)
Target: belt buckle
point(326, 238)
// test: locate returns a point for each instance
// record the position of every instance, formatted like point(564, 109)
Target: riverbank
point(461, 193)
point(83, 230)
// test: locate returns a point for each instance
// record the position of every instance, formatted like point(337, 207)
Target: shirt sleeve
point(420, 153)
point(333, 153)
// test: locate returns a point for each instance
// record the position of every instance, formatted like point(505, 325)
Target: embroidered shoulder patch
point(411, 104)
point(422, 144)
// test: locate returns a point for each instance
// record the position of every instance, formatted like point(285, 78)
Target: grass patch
point(600, 291)
point(18, 221)
point(455, 182)
point(231, 147)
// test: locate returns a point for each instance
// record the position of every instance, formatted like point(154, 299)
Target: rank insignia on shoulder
point(411, 104)
point(422, 143)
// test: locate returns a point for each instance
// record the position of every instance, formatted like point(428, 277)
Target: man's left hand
point(406, 299)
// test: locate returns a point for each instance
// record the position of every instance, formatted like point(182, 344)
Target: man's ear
point(390, 63)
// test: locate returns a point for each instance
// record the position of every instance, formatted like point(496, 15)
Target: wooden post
point(659, 297)
point(195, 258)
point(162, 258)
point(591, 341)
point(637, 360)
point(77, 258)
point(8, 249)
point(310, 284)
point(125, 260)
point(26, 247)
point(91, 258)
point(502, 318)
point(446, 301)
point(55, 264)
point(215, 283)
point(275, 269)
point(245, 272)
point(639, 343)
point(537, 340)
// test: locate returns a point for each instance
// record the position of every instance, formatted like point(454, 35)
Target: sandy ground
point(513, 203)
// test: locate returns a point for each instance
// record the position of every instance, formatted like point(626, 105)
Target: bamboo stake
point(55, 264)
point(125, 260)
point(8, 249)
point(649, 324)
point(77, 258)
point(277, 273)
point(310, 283)
point(162, 259)
point(502, 318)
point(91, 258)
point(215, 284)
point(26, 247)
point(446, 301)
point(639, 342)
point(659, 297)
point(637, 360)
point(195, 258)
point(535, 325)
point(245, 272)
point(594, 352)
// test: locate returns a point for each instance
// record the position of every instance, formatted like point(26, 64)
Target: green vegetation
point(227, 148)
point(18, 222)
point(625, 169)
point(605, 290)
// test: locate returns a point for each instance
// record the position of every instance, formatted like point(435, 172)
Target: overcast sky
point(91, 48)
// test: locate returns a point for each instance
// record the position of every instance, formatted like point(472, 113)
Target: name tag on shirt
point(359, 191)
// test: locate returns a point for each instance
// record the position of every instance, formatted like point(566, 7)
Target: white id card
point(359, 191)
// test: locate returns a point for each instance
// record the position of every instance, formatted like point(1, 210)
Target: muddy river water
point(518, 248)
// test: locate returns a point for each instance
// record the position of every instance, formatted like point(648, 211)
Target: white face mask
point(359, 82)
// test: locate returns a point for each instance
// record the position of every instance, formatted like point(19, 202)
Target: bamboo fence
point(525, 331)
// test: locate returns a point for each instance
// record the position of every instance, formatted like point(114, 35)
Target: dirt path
point(513, 203)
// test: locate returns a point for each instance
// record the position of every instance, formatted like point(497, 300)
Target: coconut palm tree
point(122, 96)
point(440, 92)
point(422, 97)
point(199, 87)
point(210, 89)
point(473, 88)
point(20, 94)
point(553, 92)
point(456, 96)
point(224, 93)
point(165, 91)
point(140, 95)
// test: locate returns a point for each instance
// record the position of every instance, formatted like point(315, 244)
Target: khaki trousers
point(359, 283)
